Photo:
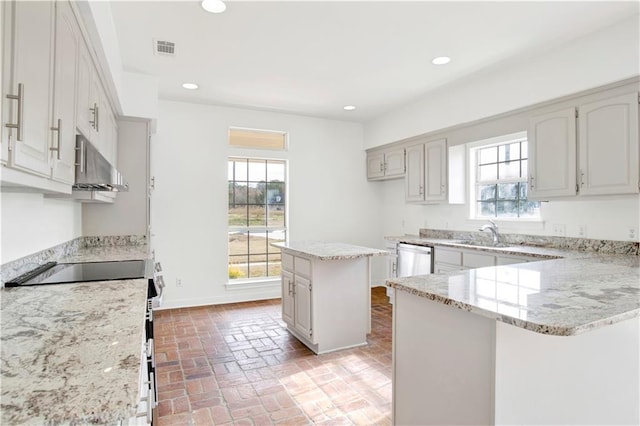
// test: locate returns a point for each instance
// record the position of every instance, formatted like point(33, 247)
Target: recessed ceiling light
point(214, 6)
point(349, 107)
point(441, 60)
point(190, 86)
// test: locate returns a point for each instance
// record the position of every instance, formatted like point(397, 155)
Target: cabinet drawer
point(302, 266)
point(287, 262)
point(477, 260)
point(504, 260)
point(453, 257)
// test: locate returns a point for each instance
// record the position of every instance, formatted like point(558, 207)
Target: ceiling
point(313, 58)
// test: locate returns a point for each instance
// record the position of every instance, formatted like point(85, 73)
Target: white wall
point(603, 57)
point(30, 223)
point(329, 197)
point(604, 217)
point(128, 213)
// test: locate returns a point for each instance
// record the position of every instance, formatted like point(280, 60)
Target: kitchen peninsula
point(326, 297)
point(548, 342)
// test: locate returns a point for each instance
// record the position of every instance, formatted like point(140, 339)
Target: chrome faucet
point(491, 226)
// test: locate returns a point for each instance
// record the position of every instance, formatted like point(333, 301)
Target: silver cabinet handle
point(59, 130)
point(581, 178)
point(530, 182)
point(382, 167)
point(421, 190)
point(97, 118)
point(442, 188)
point(81, 156)
point(289, 284)
point(94, 122)
point(20, 98)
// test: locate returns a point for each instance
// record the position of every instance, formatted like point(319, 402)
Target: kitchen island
point(549, 342)
point(71, 353)
point(326, 296)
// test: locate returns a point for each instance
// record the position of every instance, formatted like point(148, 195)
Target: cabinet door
point(435, 154)
point(287, 298)
point(609, 146)
point(5, 50)
point(414, 178)
point(302, 311)
point(552, 155)
point(84, 112)
point(64, 89)
point(375, 165)
point(394, 163)
point(95, 99)
point(477, 260)
point(33, 37)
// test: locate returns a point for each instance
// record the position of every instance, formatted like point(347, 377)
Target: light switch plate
point(632, 233)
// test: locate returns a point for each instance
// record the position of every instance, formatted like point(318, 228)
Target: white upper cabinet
point(600, 158)
point(426, 176)
point(386, 164)
point(64, 104)
point(4, 82)
point(84, 107)
point(28, 93)
point(435, 171)
point(414, 178)
point(552, 154)
point(50, 90)
point(608, 146)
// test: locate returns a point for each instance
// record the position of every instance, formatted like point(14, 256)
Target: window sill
point(270, 282)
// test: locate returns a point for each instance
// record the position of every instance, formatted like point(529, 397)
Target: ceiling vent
point(164, 48)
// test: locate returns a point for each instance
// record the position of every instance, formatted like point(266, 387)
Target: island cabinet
point(326, 298)
point(553, 342)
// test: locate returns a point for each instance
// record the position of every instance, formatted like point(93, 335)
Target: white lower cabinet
point(302, 296)
point(326, 303)
point(288, 301)
point(452, 259)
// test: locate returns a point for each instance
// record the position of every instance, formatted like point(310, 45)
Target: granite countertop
point(71, 354)
point(576, 292)
point(330, 251)
point(107, 253)
point(515, 249)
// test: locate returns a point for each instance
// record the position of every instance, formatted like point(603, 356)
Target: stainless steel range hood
point(93, 171)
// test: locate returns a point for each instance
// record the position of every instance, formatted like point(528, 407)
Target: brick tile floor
point(237, 364)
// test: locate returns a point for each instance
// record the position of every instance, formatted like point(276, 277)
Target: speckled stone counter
point(71, 352)
point(330, 251)
point(560, 297)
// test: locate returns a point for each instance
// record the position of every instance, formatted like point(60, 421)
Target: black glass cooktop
point(60, 273)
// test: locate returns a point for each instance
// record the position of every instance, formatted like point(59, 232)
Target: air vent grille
point(164, 47)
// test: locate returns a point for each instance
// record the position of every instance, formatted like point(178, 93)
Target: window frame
point(473, 150)
point(268, 279)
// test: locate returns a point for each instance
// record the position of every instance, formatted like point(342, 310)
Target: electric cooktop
point(61, 273)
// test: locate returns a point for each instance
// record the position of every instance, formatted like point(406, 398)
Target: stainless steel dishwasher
point(414, 260)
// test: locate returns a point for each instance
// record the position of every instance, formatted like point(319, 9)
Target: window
point(500, 178)
point(257, 216)
point(261, 139)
